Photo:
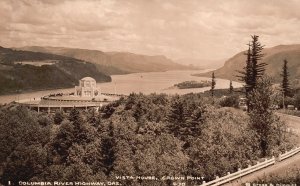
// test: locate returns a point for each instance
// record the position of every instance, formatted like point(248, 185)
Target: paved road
point(280, 167)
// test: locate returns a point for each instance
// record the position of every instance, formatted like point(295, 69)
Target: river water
point(149, 82)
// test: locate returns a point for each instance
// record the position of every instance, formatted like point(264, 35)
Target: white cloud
point(209, 29)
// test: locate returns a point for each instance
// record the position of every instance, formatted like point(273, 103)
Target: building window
point(87, 93)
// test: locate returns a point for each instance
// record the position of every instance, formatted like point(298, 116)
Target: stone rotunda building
point(87, 88)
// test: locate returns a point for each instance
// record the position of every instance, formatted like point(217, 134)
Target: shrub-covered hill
point(26, 71)
point(155, 135)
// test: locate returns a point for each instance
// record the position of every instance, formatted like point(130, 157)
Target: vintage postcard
point(150, 92)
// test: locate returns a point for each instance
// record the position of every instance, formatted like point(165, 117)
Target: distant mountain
point(202, 63)
point(273, 57)
point(25, 71)
point(115, 62)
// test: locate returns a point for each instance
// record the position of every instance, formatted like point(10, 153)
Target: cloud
point(209, 29)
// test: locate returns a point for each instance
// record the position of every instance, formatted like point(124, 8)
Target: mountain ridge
point(273, 56)
point(201, 63)
point(22, 71)
point(121, 62)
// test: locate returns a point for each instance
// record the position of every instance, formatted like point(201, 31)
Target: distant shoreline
point(33, 90)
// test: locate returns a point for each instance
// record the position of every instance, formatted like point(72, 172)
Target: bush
point(290, 176)
point(58, 117)
point(230, 101)
point(297, 101)
point(289, 101)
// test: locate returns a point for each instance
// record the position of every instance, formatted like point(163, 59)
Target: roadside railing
point(289, 153)
point(242, 172)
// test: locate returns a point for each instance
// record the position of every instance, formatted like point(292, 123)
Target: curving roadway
point(282, 167)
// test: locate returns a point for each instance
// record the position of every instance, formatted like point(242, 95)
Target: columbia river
point(148, 82)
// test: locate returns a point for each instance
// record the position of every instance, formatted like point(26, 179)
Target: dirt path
point(280, 167)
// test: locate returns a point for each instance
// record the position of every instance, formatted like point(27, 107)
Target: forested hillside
point(155, 135)
point(26, 71)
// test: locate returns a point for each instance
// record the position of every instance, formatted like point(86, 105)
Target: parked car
point(291, 107)
point(243, 104)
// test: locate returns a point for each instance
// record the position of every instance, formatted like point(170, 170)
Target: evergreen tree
point(177, 116)
point(230, 87)
point(107, 110)
point(246, 75)
point(81, 130)
point(213, 84)
point(58, 117)
point(61, 143)
point(93, 117)
point(139, 110)
point(253, 69)
point(108, 149)
point(74, 115)
point(285, 85)
point(258, 69)
point(261, 114)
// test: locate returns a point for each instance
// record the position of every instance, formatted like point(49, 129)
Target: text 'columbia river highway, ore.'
point(118, 181)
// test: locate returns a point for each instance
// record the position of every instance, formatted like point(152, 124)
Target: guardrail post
point(217, 177)
point(203, 182)
point(273, 157)
point(228, 173)
point(279, 157)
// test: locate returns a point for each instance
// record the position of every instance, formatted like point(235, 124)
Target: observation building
point(86, 95)
point(87, 88)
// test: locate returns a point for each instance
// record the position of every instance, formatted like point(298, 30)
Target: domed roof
point(88, 79)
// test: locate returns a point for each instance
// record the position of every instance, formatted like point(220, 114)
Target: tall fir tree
point(285, 85)
point(253, 69)
point(246, 75)
point(177, 116)
point(258, 69)
point(213, 84)
point(261, 115)
point(230, 87)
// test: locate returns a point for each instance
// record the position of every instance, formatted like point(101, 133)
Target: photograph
point(150, 92)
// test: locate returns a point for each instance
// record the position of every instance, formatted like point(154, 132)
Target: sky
point(201, 29)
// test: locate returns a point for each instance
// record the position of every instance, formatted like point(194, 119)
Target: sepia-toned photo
point(150, 92)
